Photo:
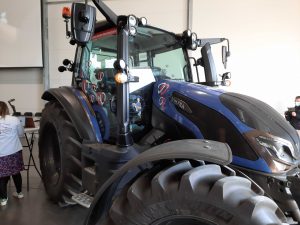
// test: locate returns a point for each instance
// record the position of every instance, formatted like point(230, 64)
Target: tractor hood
point(254, 130)
point(262, 117)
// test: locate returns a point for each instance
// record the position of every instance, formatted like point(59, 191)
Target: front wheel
point(59, 153)
point(183, 195)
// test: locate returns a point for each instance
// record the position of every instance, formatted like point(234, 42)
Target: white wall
point(20, 29)
point(59, 47)
point(265, 45)
point(264, 35)
point(25, 85)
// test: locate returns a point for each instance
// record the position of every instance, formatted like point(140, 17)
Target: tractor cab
point(153, 55)
point(119, 60)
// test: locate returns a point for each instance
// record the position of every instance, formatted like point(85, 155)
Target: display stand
point(29, 136)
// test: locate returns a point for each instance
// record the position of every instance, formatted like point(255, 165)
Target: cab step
point(83, 199)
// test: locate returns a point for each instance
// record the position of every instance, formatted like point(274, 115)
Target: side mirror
point(225, 53)
point(83, 18)
point(224, 56)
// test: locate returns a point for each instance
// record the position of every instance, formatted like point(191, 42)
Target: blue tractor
point(137, 141)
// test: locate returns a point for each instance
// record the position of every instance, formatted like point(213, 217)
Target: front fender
point(191, 149)
point(78, 109)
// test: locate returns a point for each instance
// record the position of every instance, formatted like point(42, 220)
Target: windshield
point(153, 55)
point(159, 52)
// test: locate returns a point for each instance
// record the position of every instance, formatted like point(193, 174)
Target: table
point(29, 136)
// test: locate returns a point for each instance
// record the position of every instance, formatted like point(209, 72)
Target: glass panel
point(101, 55)
point(171, 64)
point(157, 53)
point(98, 73)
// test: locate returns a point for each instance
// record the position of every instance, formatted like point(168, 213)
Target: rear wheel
point(182, 195)
point(60, 156)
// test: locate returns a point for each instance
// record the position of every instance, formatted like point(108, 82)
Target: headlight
point(279, 154)
point(278, 148)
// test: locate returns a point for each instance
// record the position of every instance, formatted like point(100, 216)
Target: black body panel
point(260, 116)
point(172, 128)
point(214, 126)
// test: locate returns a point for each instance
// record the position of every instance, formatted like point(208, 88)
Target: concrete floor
point(35, 208)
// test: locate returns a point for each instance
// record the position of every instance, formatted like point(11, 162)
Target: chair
point(28, 114)
point(37, 118)
point(16, 114)
point(29, 123)
point(38, 114)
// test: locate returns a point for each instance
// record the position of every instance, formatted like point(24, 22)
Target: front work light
point(132, 20)
point(143, 21)
point(121, 78)
point(132, 31)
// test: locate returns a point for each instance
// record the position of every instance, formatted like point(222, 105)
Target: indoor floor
point(35, 208)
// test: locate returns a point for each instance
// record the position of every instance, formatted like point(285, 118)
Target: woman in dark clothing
point(295, 115)
point(11, 160)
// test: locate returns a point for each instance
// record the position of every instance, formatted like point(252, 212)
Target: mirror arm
point(195, 65)
point(106, 12)
point(68, 32)
point(211, 41)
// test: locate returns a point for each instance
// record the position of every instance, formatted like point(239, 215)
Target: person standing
point(11, 159)
point(138, 106)
point(295, 115)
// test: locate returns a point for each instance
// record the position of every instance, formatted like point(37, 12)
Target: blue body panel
point(207, 96)
point(91, 116)
point(162, 93)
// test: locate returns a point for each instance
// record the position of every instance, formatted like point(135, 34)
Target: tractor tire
point(203, 195)
point(59, 154)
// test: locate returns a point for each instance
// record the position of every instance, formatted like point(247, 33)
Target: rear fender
point(78, 109)
point(190, 149)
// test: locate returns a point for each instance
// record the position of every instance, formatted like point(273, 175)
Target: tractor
point(131, 138)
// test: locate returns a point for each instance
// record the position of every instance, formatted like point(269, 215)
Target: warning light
point(66, 13)
point(121, 78)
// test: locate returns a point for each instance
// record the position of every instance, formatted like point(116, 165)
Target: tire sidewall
point(52, 116)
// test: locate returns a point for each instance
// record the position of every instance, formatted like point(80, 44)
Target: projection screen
point(20, 33)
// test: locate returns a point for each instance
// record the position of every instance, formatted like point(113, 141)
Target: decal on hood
point(162, 90)
point(181, 104)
